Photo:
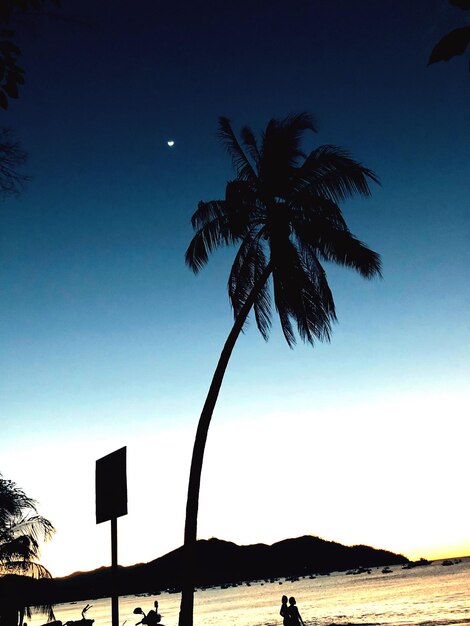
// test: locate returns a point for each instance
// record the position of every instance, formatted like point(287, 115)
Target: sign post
point(111, 503)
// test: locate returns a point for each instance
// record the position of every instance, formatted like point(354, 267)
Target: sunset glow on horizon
point(390, 494)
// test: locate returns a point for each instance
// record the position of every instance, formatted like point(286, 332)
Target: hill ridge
point(219, 562)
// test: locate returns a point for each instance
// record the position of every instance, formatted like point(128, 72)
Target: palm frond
point(206, 212)
point(262, 305)
point(318, 225)
point(214, 232)
point(240, 161)
point(24, 568)
point(297, 123)
point(42, 609)
point(13, 501)
point(343, 248)
point(282, 138)
point(37, 527)
point(330, 172)
point(246, 276)
point(282, 307)
point(242, 274)
point(299, 295)
point(305, 205)
point(339, 246)
point(317, 275)
point(251, 145)
point(22, 547)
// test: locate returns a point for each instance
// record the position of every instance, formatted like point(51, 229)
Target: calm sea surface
point(433, 595)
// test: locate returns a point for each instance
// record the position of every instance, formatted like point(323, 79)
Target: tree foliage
point(453, 43)
point(22, 530)
point(12, 156)
point(283, 210)
point(11, 73)
point(12, 159)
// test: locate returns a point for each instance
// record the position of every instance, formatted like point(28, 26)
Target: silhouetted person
point(284, 612)
point(295, 619)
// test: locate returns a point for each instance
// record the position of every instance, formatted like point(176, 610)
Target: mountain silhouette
point(219, 562)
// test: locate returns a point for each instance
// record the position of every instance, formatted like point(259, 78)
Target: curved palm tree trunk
point(192, 503)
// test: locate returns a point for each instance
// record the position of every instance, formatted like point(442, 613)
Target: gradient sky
point(107, 339)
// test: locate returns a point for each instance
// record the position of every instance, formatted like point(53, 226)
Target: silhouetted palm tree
point(21, 531)
point(282, 211)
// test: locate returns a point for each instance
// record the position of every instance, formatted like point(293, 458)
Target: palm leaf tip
point(240, 161)
point(371, 175)
point(251, 145)
point(299, 122)
point(377, 272)
point(195, 256)
point(369, 265)
point(365, 261)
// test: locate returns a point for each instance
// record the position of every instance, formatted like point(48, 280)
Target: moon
point(170, 143)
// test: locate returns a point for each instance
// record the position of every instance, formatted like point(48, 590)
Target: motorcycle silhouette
point(152, 618)
point(85, 621)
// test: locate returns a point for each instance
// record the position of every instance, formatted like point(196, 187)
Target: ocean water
point(432, 595)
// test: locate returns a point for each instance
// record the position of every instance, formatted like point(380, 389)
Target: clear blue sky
point(107, 339)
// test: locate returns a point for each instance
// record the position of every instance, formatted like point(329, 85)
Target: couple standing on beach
point(290, 612)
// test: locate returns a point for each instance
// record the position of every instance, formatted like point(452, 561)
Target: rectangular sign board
point(111, 486)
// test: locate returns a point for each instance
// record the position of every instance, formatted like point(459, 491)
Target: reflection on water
point(432, 595)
